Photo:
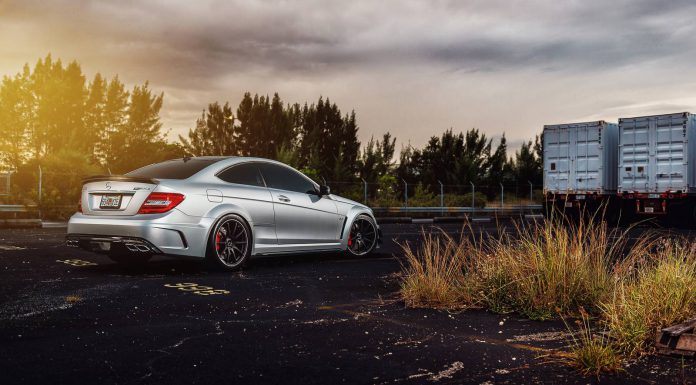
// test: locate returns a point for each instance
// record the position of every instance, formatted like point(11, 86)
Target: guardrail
point(458, 210)
point(13, 209)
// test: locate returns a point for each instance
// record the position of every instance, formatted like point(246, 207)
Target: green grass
point(591, 354)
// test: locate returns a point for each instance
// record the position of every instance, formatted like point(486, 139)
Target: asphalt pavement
point(69, 316)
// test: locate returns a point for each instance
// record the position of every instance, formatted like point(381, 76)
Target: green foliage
point(386, 195)
point(215, 133)
point(51, 116)
point(423, 198)
point(456, 200)
point(51, 110)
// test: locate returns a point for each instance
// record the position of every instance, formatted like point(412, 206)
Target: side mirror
point(324, 190)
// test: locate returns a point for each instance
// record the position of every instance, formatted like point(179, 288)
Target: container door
point(587, 166)
point(669, 153)
point(635, 154)
point(557, 159)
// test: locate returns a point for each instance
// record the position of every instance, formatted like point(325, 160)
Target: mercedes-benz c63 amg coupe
point(222, 209)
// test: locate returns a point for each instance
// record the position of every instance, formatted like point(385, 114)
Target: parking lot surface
point(69, 316)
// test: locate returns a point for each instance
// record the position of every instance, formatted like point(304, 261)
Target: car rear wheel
point(362, 237)
point(230, 241)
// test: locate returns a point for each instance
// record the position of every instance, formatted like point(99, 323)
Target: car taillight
point(159, 202)
point(79, 206)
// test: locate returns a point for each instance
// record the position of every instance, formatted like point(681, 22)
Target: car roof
point(224, 162)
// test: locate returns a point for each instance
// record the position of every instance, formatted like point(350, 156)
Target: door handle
point(283, 198)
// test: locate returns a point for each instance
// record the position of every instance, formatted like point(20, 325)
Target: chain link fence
point(54, 195)
point(392, 192)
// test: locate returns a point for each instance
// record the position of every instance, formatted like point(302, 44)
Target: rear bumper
point(105, 244)
point(174, 233)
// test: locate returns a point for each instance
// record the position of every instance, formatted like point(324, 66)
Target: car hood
point(347, 201)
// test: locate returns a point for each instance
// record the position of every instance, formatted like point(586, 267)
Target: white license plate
point(580, 197)
point(569, 204)
point(654, 196)
point(649, 210)
point(110, 202)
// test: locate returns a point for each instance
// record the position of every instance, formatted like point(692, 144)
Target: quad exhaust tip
point(138, 248)
point(72, 243)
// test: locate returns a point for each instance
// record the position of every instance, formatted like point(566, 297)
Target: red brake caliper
point(217, 241)
point(350, 240)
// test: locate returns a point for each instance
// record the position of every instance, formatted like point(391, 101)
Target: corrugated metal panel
point(580, 157)
point(655, 153)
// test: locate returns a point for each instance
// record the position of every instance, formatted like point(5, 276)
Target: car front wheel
point(362, 238)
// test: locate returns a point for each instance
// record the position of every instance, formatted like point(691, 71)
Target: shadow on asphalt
point(259, 264)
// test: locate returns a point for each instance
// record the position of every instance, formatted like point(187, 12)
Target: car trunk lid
point(118, 195)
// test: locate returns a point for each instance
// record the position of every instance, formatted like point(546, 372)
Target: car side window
point(246, 173)
point(284, 178)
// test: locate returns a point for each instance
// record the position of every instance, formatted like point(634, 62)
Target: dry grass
point(651, 291)
point(591, 354)
point(435, 273)
point(544, 267)
point(551, 266)
point(549, 269)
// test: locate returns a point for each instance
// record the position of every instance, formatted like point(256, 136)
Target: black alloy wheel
point(230, 243)
point(362, 237)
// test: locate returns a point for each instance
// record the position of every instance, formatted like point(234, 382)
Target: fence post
point(473, 199)
point(502, 195)
point(365, 190)
point(405, 192)
point(531, 192)
point(442, 198)
point(40, 177)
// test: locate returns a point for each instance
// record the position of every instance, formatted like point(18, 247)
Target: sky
point(414, 68)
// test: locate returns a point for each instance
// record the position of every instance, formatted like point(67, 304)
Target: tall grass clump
point(551, 267)
point(652, 290)
point(535, 270)
point(434, 273)
point(590, 353)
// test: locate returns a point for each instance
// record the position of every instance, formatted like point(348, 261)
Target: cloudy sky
point(413, 68)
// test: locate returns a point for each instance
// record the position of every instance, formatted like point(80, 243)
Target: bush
point(464, 200)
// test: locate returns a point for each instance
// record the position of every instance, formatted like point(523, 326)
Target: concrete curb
point(20, 223)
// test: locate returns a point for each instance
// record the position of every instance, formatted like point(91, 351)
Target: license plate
point(580, 197)
point(649, 210)
point(110, 202)
point(569, 204)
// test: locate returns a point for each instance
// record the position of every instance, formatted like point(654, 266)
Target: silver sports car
point(223, 209)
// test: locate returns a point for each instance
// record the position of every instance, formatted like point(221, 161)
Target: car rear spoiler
point(119, 178)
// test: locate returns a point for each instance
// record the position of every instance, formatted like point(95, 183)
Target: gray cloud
point(413, 67)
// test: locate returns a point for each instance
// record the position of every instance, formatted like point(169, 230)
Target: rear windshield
point(173, 169)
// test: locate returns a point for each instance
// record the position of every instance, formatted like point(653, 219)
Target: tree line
point(52, 116)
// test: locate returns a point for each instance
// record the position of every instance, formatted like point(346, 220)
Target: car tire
point(129, 259)
point(362, 236)
point(230, 243)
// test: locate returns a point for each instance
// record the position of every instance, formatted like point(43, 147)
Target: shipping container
point(580, 158)
point(580, 169)
point(657, 155)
